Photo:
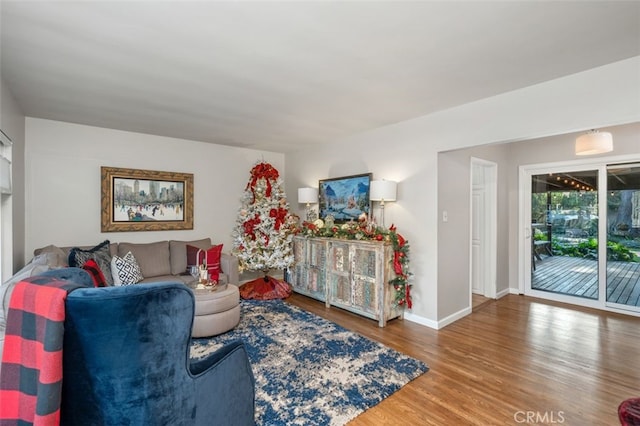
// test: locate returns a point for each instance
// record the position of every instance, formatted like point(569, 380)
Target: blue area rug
point(310, 371)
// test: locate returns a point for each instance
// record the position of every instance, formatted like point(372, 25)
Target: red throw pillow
point(91, 266)
point(210, 256)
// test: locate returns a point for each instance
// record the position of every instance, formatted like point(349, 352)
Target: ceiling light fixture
point(594, 142)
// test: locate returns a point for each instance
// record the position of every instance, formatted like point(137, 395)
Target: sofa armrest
point(230, 266)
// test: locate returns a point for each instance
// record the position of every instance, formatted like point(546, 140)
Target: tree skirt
point(265, 288)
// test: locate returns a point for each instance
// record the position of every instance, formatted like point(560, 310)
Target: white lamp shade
point(594, 143)
point(383, 190)
point(307, 195)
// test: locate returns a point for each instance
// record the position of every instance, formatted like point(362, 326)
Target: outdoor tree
point(263, 232)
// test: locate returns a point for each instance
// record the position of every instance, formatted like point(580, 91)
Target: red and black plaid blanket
point(31, 375)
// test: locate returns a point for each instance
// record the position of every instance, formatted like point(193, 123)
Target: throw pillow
point(96, 273)
point(125, 270)
point(99, 253)
point(210, 256)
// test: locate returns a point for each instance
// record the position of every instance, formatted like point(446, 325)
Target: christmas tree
point(262, 236)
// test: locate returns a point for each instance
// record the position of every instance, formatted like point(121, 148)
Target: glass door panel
point(564, 233)
point(623, 236)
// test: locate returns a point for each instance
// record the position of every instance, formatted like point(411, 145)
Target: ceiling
point(281, 76)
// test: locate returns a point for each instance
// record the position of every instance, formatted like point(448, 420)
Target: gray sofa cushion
point(179, 253)
point(153, 258)
point(64, 251)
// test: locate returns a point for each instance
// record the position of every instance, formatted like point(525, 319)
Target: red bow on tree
point(279, 214)
point(250, 225)
point(262, 170)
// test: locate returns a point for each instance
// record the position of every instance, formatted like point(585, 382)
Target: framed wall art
point(344, 198)
point(145, 200)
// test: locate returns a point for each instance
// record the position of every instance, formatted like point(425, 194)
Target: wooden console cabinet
point(350, 274)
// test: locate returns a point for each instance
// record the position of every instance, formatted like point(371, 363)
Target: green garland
point(363, 230)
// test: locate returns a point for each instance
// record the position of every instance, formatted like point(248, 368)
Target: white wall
point(407, 152)
point(454, 193)
point(63, 181)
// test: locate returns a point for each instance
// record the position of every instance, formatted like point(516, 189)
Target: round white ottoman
point(216, 311)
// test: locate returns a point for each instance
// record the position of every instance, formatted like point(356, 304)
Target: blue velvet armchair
point(126, 362)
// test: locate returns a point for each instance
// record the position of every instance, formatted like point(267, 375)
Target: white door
point(477, 261)
point(483, 250)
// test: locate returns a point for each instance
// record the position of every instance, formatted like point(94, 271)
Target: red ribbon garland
point(279, 214)
point(262, 170)
point(397, 267)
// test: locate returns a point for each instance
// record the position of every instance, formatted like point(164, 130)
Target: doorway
point(483, 251)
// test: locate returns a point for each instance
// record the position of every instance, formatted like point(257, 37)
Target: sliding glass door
point(582, 235)
point(564, 233)
point(623, 236)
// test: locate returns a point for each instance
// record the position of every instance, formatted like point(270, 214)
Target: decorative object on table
point(263, 232)
point(210, 258)
point(344, 198)
point(594, 142)
point(145, 200)
point(383, 191)
point(308, 196)
point(364, 230)
point(311, 371)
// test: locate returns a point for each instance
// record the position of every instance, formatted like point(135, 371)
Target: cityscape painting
point(146, 200)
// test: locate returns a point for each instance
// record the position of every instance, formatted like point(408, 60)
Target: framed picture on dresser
point(345, 198)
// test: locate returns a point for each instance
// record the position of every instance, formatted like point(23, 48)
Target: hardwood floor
point(478, 301)
point(512, 358)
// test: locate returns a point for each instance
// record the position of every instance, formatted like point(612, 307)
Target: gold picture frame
point(145, 200)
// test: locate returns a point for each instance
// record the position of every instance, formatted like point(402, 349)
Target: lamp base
point(311, 215)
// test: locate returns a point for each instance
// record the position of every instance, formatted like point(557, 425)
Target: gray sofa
point(159, 261)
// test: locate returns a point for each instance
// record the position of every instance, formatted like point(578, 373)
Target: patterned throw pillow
point(210, 256)
point(125, 270)
point(96, 273)
point(99, 253)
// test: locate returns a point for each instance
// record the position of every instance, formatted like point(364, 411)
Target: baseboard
point(420, 320)
point(503, 293)
point(437, 325)
point(514, 290)
point(454, 317)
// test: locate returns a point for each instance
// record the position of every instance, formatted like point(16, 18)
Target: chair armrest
point(230, 266)
point(225, 387)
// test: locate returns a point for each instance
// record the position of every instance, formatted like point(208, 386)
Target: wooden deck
point(578, 277)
